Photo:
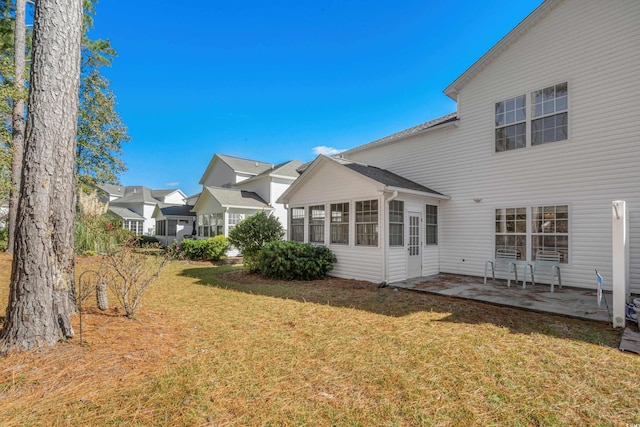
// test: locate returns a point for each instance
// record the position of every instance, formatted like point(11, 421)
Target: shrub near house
point(212, 249)
point(294, 261)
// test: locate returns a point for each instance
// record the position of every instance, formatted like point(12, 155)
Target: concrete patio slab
point(566, 301)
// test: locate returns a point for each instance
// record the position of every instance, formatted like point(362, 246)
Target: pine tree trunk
point(42, 271)
point(17, 140)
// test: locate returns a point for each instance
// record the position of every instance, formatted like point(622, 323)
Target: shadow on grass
point(386, 301)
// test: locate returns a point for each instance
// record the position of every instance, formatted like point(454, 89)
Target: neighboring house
point(123, 202)
point(173, 222)
point(546, 136)
point(234, 188)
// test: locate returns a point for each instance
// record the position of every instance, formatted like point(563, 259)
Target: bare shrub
point(128, 274)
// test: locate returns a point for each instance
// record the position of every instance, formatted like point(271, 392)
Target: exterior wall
point(594, 47)
point(149, 222)
point(331, 184)
point(278, 187)
point(175, 199)
point(220, 175)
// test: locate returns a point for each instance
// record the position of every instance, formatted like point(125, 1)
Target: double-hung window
point(431, 225)
point(549, 123)
point(511, 230)
point(547, 120)
point(367, 223)
point(550, 230)
point(316, 224)
point(234, 219)
point(396, 223)
point(511, 124)
point(339, 227)
point(297, 225)
point(528, 230)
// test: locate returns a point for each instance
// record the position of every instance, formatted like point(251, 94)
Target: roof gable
point(384, 179)
point(232, 198)
point(237, 165)
point(505, 43)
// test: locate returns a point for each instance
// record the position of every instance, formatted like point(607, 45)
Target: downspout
point(385, 264)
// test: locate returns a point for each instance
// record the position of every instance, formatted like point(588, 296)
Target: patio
point(566, 301)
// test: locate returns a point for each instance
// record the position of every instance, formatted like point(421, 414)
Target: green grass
point(215, 346)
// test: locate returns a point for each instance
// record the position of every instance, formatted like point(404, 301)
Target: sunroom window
point(339, 227)
point(396, 223)
point(316, 224)
point(297, 225)
point(367, 223)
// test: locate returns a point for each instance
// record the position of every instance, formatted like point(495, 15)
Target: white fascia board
point(418, 193)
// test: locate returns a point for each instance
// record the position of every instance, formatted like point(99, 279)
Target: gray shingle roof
point(124, 213)
point(451, 117)
point(289, 169)
point(112, 189)
point(176, 210)
point(388, 178)
point(239, 198)
point(253, 167)
point(136, 194)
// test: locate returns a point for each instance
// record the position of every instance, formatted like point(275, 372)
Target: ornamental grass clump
point(294, 261)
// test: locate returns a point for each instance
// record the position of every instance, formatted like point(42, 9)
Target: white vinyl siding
point(598, 163)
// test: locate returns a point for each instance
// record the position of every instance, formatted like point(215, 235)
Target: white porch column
point(620, 264)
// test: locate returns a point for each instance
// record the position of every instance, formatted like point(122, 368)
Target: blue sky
point(273, 81)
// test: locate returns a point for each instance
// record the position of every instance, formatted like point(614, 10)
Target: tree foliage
point(101, 130)
point(251, 234)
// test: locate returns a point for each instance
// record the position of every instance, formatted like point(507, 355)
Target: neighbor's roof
point(124, 213)
point(247, 166)
point(232, 197)
point(423, 127)
point(112, 189)
point(136, 194)
point(176, 210)
point(286, 169)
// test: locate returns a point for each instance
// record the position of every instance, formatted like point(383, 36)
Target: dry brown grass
point(216, 346)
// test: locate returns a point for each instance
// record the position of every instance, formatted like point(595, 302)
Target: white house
point(124, 202)
point(234, 188)
point(545, 137)
point(173, 223)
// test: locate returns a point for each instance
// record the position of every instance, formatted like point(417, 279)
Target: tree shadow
point(393, 302)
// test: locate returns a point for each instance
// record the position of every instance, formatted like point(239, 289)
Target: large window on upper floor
point(511, 124)
point(549, 123)
point(546, 121)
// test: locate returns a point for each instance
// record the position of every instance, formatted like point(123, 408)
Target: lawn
point(217, 346)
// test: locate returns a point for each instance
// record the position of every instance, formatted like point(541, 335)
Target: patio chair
point(547, 264)
point(505, 260)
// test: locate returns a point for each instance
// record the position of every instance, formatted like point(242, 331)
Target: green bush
point(151, 241)
point(4, 239)
point(251, 234)
point(99, 234)
point(294, 261)
point(212, 249)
